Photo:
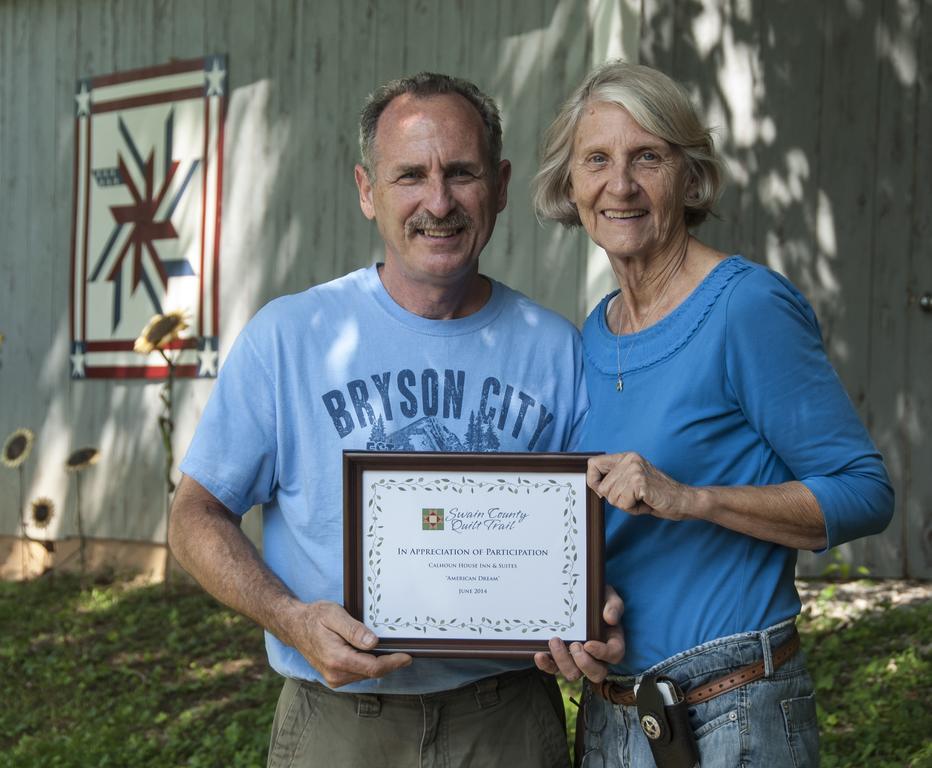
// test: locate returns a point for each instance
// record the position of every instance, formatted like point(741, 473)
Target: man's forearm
point(207, 541)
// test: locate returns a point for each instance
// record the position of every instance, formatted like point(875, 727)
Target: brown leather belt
point(621, 695)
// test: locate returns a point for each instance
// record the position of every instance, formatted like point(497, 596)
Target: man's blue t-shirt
point(343, 367)
point(731, 388)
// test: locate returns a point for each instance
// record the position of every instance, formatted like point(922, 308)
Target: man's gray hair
point(424, 85)
point(661, 107)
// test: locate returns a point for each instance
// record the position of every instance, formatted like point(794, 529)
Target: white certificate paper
point(482, 556)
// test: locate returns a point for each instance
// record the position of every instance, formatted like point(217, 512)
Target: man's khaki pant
point(512, 720)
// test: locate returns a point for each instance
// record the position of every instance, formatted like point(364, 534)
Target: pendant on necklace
point(619, 385)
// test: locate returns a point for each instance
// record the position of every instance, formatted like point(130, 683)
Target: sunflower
point(43, 510)
point(82, 459)
point(17, 447)
point(159, 331)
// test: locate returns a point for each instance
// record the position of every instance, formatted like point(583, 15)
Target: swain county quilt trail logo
point(432, 519)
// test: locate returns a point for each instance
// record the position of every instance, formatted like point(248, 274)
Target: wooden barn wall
point(824, 114)
point(299, 71)
point(820, 108)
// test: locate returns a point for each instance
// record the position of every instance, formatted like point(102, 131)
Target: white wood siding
point(298, 75)
point(823, 111)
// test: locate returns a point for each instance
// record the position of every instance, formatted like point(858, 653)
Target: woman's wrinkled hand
point(630, 482)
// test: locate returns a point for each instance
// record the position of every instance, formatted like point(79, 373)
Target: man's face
point(433, 195)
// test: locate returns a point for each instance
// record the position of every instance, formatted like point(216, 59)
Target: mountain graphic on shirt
point(425, 434)
point(429, 434)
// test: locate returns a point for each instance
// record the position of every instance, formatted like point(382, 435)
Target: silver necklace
point(620, 382)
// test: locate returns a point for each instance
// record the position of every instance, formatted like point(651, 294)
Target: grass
point(117, 674)
point(111, 675)
point(873, 680)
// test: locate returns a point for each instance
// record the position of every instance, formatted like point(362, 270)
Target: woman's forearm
point(786, 514)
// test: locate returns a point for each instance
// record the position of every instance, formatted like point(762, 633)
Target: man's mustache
point(425, 220)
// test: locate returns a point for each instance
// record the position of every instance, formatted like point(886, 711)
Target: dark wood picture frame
point(355, 465)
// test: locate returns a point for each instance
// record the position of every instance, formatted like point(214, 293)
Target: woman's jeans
point(769, 723)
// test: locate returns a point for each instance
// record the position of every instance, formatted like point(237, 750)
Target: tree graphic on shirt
point(489, 441)
point(480, 437)
point(377, 435)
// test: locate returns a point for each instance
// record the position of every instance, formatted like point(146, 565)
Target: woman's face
point(628, 185)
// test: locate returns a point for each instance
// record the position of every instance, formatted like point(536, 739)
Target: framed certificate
point(472, 554)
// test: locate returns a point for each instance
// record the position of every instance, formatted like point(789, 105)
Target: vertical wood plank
point(189, 24)
point(248, 270)
point(307, 127)
point(518, 82)
point(390, 41)
point(847, 166)
point(268, 162)
point(918, 422)
point(60, 416)
point(62, 94)
point(218, 15)
point(895, 129)
point(41, 262)
point(455, 30)
point(280, 143)
point(786, 155)
point(357, 49)
point(20, 409)
point(162, 28)
point(559, 255)
point(295, 116)
point(717, 57)
point(132, 40)
point(846, 205)
point(657, 30)
point(329, 257)
point(418, 36)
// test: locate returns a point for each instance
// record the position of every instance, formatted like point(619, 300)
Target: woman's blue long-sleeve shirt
point(731, 388)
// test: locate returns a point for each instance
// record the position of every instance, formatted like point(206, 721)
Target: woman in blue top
point(729, 443)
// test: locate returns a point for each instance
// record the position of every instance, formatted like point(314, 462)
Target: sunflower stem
point(167, 428)
point(81, 540)
point(22, 517)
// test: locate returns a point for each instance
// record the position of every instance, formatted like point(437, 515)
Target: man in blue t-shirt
point(420, 352)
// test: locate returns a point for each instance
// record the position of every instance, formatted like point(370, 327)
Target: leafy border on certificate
point(374, 557)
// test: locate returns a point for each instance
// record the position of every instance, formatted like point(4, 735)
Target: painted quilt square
point(146, 232)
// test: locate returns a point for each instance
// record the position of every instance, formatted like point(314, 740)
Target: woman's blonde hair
point(661, 107)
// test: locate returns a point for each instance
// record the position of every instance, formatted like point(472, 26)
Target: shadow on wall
point(815, 109)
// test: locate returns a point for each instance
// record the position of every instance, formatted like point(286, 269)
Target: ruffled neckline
point(664, 338)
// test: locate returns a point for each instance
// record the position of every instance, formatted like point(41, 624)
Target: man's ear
point(365, 192)
point(504, 176)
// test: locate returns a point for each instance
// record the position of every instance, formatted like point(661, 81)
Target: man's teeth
point(438, 232)
point(624, 214)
